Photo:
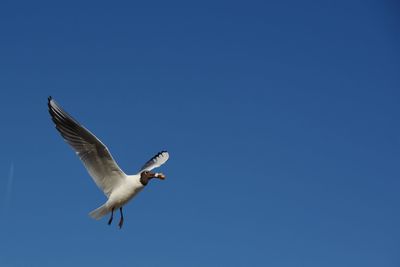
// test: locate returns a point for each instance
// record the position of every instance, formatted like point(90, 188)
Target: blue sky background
point(281, 119)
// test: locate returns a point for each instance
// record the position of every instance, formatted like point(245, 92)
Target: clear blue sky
point(281, 119)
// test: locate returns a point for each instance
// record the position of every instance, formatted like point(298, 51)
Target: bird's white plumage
point(108, 176)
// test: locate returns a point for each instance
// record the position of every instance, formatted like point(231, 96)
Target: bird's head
point(145, 176)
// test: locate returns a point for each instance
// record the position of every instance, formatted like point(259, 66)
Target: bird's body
point(119, 187)
point(128, 188)
point(125, 191)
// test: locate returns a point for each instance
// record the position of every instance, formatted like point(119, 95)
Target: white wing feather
point(93, 153)
point(156, 161)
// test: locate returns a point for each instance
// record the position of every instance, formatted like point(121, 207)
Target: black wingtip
point(49, 102)
point(160, 153)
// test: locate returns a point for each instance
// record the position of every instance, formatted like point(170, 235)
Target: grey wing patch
point(155, 161)
point(92, 152)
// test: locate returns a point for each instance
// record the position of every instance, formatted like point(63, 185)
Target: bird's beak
point(159, 175)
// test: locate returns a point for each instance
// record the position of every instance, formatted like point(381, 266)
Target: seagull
point(119, 187)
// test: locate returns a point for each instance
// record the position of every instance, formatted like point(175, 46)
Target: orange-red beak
point(159, 175)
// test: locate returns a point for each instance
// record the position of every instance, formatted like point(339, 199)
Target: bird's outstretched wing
point(156, 161)
point(93, 153)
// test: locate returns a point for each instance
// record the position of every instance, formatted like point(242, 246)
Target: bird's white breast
point(127, 189)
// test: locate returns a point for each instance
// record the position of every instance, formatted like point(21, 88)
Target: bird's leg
point(112, 215)
point(121, 221)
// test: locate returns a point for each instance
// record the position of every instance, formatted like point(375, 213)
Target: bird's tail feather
point(98, 213)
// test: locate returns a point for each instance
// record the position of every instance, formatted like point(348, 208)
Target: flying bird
point(119, 187)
